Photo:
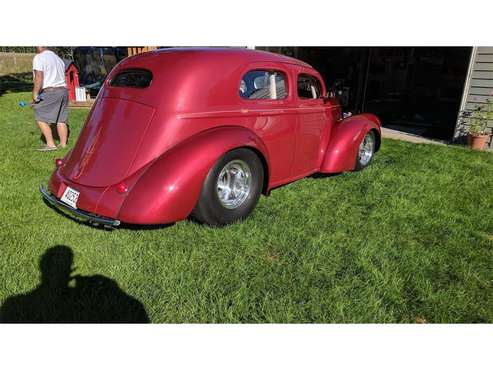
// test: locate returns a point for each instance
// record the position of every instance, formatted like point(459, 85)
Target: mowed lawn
point(408, 239)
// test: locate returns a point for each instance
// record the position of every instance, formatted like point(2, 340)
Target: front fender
point(344, 142)
point(168, 191)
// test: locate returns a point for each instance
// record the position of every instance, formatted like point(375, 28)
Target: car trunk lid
point(108, 144)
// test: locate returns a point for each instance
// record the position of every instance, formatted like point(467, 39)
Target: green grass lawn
point(410, 238)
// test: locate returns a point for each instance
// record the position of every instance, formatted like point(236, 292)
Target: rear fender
point(344, 142)
point(170, 188)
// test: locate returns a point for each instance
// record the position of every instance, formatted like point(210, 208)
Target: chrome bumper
point(76, 212)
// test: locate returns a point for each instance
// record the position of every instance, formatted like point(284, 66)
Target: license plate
point(70, 197)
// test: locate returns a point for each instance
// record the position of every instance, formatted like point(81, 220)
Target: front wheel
point(231, 189)
point(366, 151)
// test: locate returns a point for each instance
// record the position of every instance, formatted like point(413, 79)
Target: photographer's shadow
point(63, 298)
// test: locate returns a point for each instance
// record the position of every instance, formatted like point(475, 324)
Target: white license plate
point(70, 197)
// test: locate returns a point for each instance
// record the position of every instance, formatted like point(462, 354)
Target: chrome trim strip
point(77, 212)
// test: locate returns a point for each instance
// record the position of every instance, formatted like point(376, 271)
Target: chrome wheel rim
point(234, 184)
point(366, 149)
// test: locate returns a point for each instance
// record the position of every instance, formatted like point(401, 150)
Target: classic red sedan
point(203, 133)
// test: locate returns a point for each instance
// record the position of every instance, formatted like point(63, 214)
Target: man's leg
point(46, 131)
point(62, 130)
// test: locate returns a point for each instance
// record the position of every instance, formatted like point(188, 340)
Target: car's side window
point(309, 87)
point(262, 84)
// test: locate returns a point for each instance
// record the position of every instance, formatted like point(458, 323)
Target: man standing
point(50, 96)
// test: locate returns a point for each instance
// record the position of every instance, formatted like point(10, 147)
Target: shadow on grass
point(144, 227)
point(16, 82)
point(65, 298)
point(319, 175)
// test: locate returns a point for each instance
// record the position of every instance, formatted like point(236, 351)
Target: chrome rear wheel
point(231, 189)
point(234, 184)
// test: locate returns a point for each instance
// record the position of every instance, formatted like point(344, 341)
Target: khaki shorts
point(53, 107)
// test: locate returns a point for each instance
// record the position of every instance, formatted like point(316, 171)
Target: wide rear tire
point(231, 189)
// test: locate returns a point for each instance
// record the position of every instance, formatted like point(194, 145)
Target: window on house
point(261, 84)
point(309, 87)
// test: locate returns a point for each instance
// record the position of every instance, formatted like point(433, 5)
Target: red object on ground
point(165, 118)
point(71, 78)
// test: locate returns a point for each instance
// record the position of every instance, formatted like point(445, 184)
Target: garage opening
point(417, 90)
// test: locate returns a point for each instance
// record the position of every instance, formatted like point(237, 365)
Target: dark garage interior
point(412, 89)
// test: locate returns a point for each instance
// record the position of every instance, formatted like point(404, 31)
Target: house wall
point(478, 88)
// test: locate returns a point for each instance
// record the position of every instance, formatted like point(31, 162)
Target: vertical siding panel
point(478, 88)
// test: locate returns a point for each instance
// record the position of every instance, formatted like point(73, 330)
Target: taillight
point(58, 162)
point(121, 188)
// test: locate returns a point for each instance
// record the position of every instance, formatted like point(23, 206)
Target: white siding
point(479, 87)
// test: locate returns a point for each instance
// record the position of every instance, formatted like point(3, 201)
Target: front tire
point(231, 189)
point(366, 151)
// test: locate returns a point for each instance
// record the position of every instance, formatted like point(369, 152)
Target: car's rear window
point(139, 78)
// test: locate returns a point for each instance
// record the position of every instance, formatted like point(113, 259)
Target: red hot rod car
point(203, 132)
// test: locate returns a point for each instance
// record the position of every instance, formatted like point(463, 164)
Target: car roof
point(243, 54)
point(195, 79)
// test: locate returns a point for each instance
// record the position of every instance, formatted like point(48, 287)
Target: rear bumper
point(76, 212)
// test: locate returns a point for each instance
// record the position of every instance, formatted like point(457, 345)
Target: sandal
point(46, 148)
